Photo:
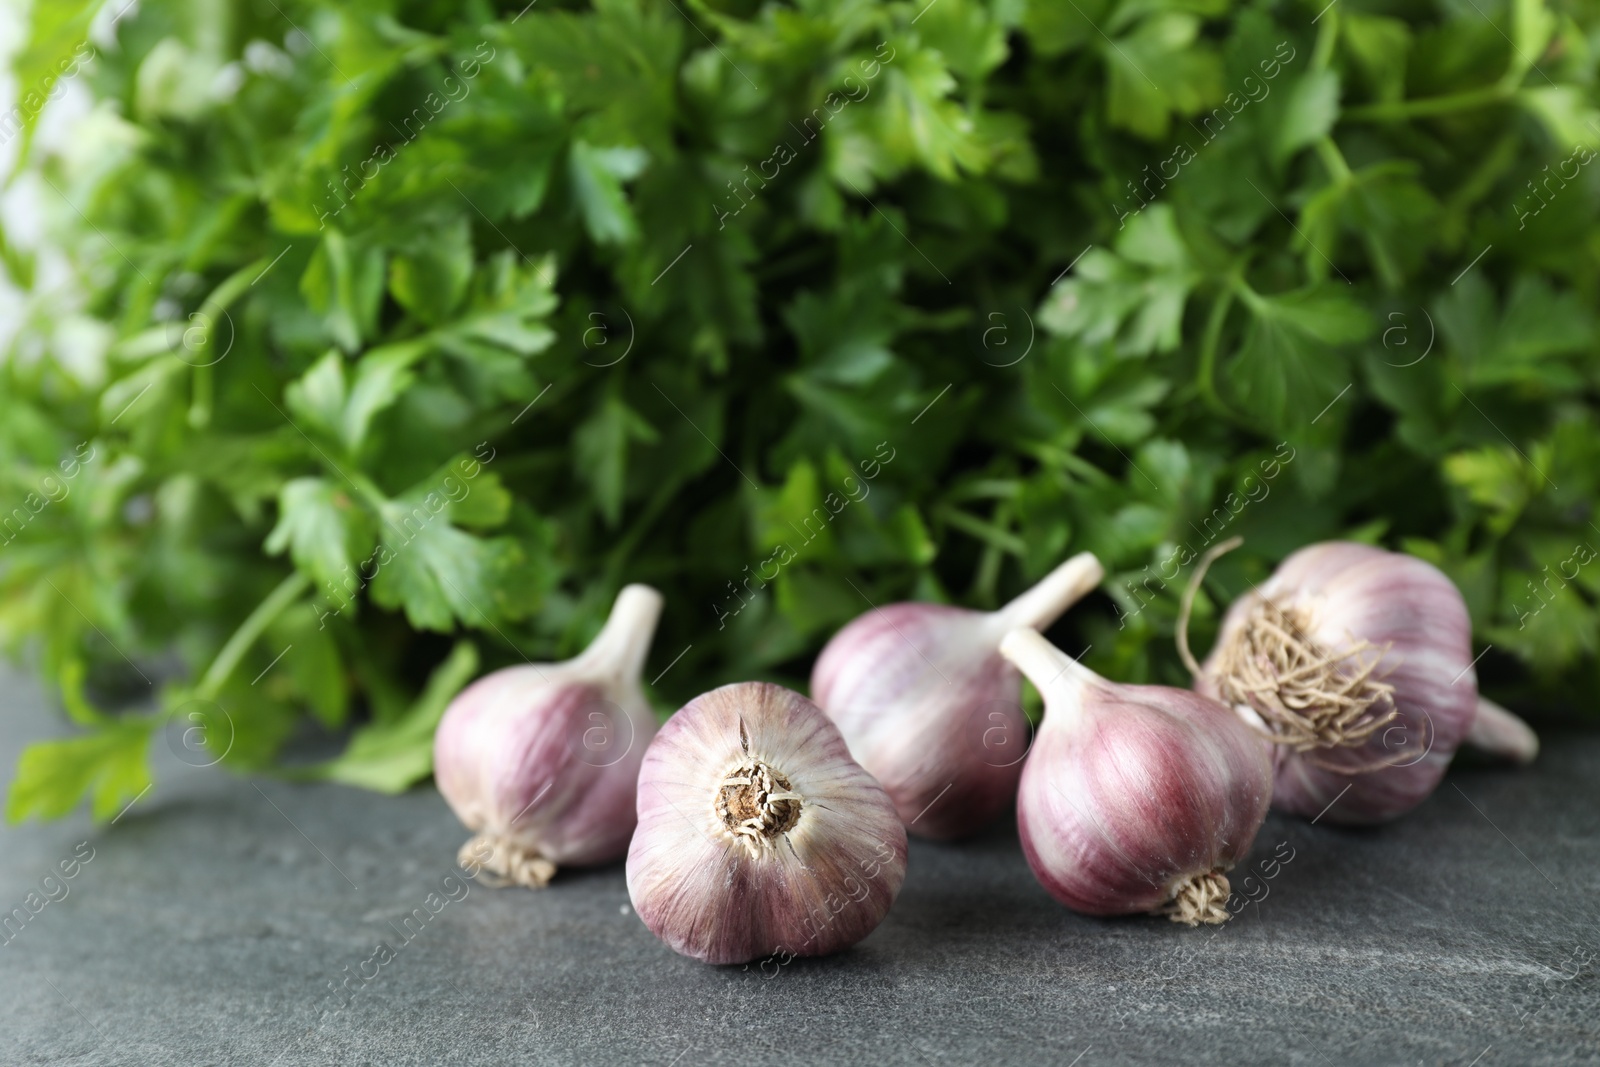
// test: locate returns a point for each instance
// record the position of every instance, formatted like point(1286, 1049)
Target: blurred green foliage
point(500, 307)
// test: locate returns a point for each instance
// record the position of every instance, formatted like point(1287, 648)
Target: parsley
point(389, 350)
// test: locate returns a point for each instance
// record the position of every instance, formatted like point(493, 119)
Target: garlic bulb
point(758, 834)
point(1358, 663)
point(542, 760)
point(931, 709)
point(1135, 798)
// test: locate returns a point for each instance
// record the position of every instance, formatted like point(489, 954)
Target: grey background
point(216, 911)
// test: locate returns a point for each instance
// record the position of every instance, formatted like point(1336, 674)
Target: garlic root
point(1308, 696)
point(756, 803)
point(1200, 898)
point(1500, 733)
point(503, 862)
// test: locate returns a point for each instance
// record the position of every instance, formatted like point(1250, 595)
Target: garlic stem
point(1500, 733)
point(1052, 595)
point(1046, 666)
point(620, 648)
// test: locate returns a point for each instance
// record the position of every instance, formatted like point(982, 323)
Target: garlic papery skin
point(1135, 798)
point(1500, 733)
point(930, 707)
point(1358, 663)
point(758, 834)
point(542, 760)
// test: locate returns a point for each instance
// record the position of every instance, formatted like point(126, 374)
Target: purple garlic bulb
point(930, 707)
point(1357, 663)
point(541, 760)
point(758, 834)
point(1135, 798)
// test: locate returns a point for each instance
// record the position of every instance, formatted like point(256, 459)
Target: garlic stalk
point(1500, 733)
point(541, 760)
point(1357, 663)
point(758, 834)
point(1135, 798)
point(931, 709)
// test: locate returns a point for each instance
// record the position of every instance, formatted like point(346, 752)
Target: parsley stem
point(622, 551)
point(987, 574)
point(200, 404)
point(986, 532)
point(201, 338)
point(1204, 379)
point(1327, 37)
point(1482, 180)
point(287, 592)
point(1333, 159)
point(1427, 106)
point(371, 495)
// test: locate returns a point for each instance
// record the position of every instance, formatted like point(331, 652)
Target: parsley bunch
point(364, 346)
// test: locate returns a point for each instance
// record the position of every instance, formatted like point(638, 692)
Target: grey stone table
point(213, 919)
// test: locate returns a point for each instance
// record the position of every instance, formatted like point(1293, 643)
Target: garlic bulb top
point(542, 759)
point(1135, 798)
point(1358, 662)
point(758, 833)
point(931, 709)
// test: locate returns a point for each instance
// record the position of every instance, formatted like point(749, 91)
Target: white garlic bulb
point(930, 707)
point(758, 834)
point(1135, 798)
point(1357, 663)
point(542, 760)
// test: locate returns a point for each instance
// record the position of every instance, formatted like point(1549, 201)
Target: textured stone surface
point(215, 913)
